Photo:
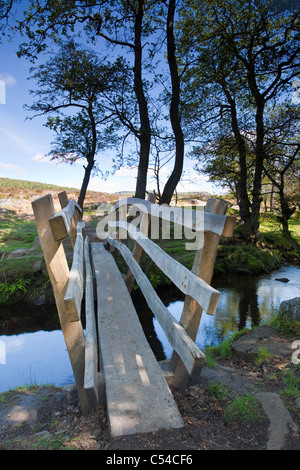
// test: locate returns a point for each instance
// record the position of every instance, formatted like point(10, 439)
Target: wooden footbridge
point(111, 359)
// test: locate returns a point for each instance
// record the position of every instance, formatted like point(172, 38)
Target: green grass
point(18, 280)
point(223, 350)
point(292, 384)
point(270, 224)
point(24, 184)
point(218, 390)
point(10, 269)
point(16, 233)
point(263, 356)
point(286, 326)
point(243, 410)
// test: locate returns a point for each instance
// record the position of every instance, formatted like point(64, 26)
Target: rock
point(279, 417)
point(4, 211)
point(40, 300)
point(291, 308)
point(37, 266)
point(238, 384)
point(20, 253)
point(247, 346)
point(282, 279)
point(45, 435)
point(36, 243)
point(23, 252)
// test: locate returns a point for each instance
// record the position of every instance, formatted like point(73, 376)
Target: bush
point(246, 258)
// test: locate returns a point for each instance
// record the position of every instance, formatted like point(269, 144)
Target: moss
point(248, 259)
point(223, 351)
point(284, 325)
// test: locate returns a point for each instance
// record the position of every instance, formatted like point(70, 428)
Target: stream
point(33, 351)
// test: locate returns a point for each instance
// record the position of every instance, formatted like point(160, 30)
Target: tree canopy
point(76, 90)
point(240, 59)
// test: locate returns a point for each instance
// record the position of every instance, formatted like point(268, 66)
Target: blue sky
point(24, 142)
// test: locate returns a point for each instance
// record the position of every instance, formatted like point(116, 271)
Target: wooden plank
point(91, 342)
point(138, 397)
point(192, 357)
point(74, 294)
point(182, 277)
point(196, 220)
point(60, 222)
point(58, 271)
point(138, 250)
point(63, 199)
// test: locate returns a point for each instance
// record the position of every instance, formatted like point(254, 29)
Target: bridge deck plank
point(138, 397)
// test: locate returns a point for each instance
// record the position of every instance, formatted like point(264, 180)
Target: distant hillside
point(17, 195)
point(24, 184)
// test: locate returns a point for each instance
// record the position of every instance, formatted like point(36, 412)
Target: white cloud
point(41, 158)
point(11, 167)
point(126, 172)
point(8, 79)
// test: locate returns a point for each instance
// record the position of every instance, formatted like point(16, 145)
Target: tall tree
point(76, 81)
point(282, 142)
point(221, 162)
point(132, 25)
point(122, 23)
point(175, 117)
point(243, 56)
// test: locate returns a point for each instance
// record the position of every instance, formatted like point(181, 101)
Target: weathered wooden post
point(77, 216)
point(58, 271)
point(203, 267)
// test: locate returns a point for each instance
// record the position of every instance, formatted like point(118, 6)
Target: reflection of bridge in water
point(125, 375)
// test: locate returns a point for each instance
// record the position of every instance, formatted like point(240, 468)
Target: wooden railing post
point(58, 271)
point(63, 200)
point(138, 250)
point(203, 267)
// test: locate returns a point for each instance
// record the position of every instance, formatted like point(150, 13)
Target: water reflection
point(34, 358)
point(245, 301)
point(248, 305)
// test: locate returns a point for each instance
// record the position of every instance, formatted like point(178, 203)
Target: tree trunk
point(244, 202)
point(272, 199)
point(259, 165)
point(145, 130)
point(286, 214)
point(174, 179)
point(85, 182)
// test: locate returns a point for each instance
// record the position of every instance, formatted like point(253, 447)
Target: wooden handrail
point(58, 270)
point(61, 222)
point(181, 276)
point(196, 220)
point(91, 341)
point(191, 355)
point(74, 294)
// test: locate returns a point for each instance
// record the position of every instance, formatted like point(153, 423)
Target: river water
point(245, 301)
point(33, 351)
